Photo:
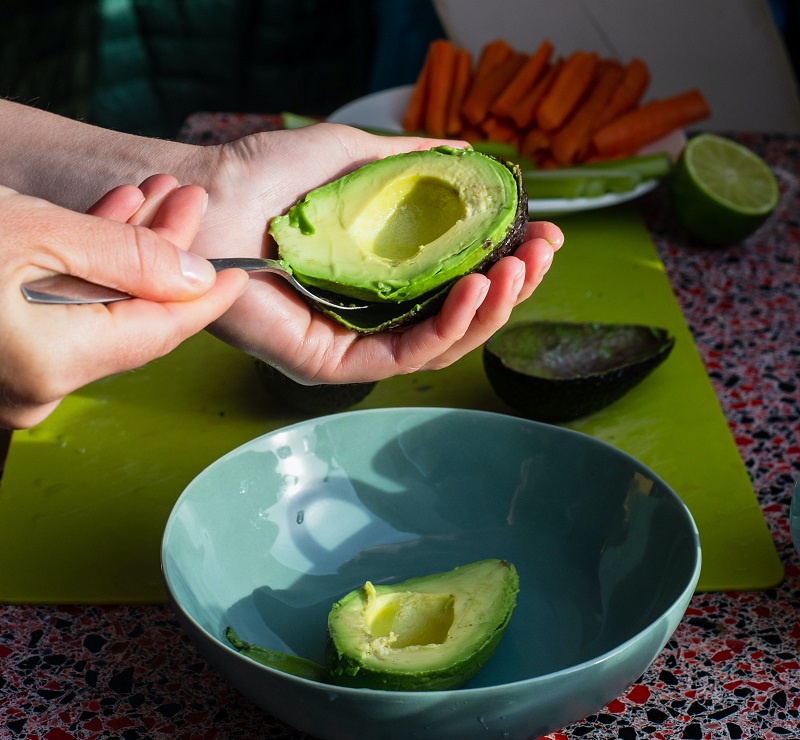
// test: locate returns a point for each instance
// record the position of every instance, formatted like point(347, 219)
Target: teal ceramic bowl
point(271, 534)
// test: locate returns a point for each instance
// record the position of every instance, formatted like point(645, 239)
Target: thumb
point(149, 262)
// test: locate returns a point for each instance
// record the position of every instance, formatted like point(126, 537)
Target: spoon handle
point(73, 290)
point(70, 289)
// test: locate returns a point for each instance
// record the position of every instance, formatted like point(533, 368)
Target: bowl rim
point(683, 597)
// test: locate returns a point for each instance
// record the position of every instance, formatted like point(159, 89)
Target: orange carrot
point(594, 158)
point(629, 94)
point(472, 133)
point(632, 130)
point(414, 116)
point(545, 162)
point(534, 142)
point(440, 85)
point(567, 89)
point(497, 130)
point(524, 114)
point(573, 138)
point(461, 80)
point(486, 88)
point(491, 55)
point(523, 82)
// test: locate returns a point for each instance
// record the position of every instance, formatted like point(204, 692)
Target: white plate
point(384, 111)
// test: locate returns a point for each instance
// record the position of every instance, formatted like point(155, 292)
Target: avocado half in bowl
point(558, 371)
point(395, 234)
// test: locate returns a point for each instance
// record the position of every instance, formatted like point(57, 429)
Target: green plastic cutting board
point(86, 494)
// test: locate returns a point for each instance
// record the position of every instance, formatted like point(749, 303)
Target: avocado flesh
point(556, 371)
point(429, 633)
point(402, 227)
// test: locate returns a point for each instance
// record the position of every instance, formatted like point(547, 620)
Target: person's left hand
point(258, 177)
point(51, 350)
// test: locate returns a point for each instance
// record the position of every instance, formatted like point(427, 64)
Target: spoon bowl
point(63, 289)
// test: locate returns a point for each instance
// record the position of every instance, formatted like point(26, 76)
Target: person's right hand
point(260, 176)
point(50, 350)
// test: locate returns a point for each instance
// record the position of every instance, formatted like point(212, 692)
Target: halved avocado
point(396, 233)
point(559, 371)
point(429, 633)
point(311, 399)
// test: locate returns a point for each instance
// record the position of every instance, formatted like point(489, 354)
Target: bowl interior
point(269, 536)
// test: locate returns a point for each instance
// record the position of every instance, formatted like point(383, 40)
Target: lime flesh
point(721, 191)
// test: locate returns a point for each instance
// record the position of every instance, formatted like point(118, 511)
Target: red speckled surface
point(732, 668)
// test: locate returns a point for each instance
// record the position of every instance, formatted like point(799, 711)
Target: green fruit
point(311, 399)
point(559, 371)
point(721, 191)
point(429, 633)
point(396, 233)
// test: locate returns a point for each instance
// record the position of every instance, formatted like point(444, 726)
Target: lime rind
point(732, 175)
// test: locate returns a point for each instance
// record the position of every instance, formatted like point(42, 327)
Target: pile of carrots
point(557, 111)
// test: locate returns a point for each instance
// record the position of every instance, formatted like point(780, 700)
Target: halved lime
point(722, 191)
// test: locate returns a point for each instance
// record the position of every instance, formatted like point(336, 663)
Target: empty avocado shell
point(396, 233)
point(311, 399)
point(559, 371)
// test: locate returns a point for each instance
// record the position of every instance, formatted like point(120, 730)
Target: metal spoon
point(71, 289)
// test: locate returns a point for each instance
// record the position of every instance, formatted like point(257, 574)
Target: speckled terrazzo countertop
point(732, 668)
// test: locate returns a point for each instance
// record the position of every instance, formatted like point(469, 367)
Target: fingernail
point(548, 261)
point(194, 268)
point(482, 294)
point(205, 204)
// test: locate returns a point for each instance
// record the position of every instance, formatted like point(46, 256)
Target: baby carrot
point(573, 138)
point(414, 116)
point(491, 55)
point(524, 114)
point(440, 84)
point(497, 130)
point(568, 88)
point(489, 86)
point(523, 81)
point(534, 142)
point(632, 130)
point(461, 80)
point(635, 79)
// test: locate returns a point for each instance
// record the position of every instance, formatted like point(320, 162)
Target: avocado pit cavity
point(406, 619)
point(406, 216)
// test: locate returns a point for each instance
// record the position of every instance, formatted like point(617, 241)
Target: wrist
point(73, 164)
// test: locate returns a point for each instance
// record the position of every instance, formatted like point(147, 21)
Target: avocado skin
point(378, 317)
point(285, 662)
point(558, 400)
point(311, 399)
point(350, 670)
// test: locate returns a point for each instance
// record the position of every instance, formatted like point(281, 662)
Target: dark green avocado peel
point(556, 372)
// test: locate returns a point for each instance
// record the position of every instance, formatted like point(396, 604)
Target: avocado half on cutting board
point(558, 371)
point(395, 234)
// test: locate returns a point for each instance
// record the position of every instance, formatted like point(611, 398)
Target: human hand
point(51, 350)
point(258, 177)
